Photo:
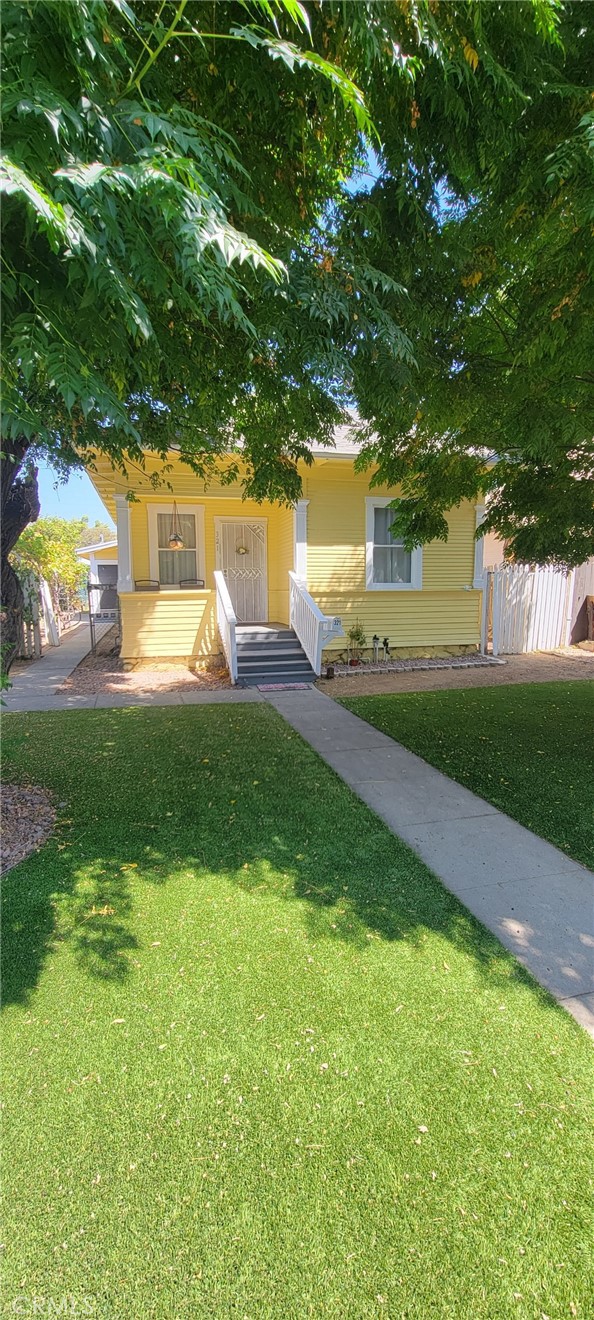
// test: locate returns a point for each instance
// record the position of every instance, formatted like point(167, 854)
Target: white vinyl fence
point(526, 609)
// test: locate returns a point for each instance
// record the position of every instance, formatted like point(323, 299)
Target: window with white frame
point(170, 567)
point(389, 566)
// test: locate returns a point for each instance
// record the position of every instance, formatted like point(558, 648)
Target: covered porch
point(191, 575)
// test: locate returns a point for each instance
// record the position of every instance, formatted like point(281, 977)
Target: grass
point(526, 748)
point(259, 1062)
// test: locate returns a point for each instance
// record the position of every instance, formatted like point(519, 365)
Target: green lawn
point(258, 1062)
point(527, 748)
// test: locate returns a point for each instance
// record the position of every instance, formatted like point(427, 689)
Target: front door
point(241, 556)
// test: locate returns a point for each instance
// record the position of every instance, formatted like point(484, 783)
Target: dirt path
point(538, 667)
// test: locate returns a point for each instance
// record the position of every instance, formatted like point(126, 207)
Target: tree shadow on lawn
point(373, 888)
point(187, 798)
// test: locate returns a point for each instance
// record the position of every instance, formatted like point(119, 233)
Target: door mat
point(283, 687)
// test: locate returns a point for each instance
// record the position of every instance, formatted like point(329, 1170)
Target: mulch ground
point(27, 821)
point(104, 673)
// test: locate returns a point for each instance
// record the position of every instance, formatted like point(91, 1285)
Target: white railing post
point(125, 580)
point(313, 628)
point(227, 624)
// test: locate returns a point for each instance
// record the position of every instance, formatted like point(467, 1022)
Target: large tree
point(47, 548)
point(184, 262)
point(495, 244)
point(163, 166)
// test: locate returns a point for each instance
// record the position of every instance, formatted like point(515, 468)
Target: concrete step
point(254, 680)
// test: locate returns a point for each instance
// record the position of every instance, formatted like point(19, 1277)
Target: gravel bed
point(403, 666)
point(27, 821)
point(104, 674)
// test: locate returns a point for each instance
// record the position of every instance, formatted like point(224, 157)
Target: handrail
point(313, 628)
point(227, 623)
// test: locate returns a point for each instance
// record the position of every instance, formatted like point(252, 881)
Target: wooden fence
point(526, 609)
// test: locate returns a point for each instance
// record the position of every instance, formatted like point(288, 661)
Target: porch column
point(125, 580)
point(300, 539)
point(477, 581)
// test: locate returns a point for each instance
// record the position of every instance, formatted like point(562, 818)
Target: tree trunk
point(19, 506)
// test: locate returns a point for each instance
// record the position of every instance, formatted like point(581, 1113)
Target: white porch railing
point(313, 628)
point(226, 623)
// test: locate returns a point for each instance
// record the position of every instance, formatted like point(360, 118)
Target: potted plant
point(357, 642)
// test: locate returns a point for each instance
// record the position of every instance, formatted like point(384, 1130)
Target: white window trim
point(198, 511)
point(477, 580)
point(373, 502)
point(94, 563)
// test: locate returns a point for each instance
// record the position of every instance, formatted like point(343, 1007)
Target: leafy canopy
point(185, 261)
point(499, 271)
point(165, 179)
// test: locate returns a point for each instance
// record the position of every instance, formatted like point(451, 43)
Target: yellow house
point(278, 588)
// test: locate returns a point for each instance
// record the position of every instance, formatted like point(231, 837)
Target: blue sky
point(75, 498)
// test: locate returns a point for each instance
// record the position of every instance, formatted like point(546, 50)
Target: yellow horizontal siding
point(168, 623)
point(279, 522)
point(336, 537)
point(408, 619)
point(108, 552)
point(441, 614)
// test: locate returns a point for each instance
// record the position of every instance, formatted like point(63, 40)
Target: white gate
point(526, 609)
point(241, 557)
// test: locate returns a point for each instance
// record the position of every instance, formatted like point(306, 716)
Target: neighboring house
point(318, 567)
point(102, 560)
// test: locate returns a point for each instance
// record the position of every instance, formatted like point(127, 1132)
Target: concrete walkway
point(537, 900)
point(35, 687)
point(119, 700)
point(39, 680)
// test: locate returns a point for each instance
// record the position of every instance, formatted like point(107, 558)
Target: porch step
point(270, 655)
point(270, 650)
point(272, 676)
point(276, 667)
point(257, 637)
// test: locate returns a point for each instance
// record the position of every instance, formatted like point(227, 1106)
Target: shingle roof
point(345, 445)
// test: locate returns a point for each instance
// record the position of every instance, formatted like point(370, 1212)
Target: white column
point(478, 549)
point(300, 539)
point(125, 580)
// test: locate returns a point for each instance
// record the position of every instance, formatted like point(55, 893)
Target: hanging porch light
point(176, 541)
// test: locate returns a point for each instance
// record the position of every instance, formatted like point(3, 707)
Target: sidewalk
point(36, 684)
point(537, 900)
point(35, 687)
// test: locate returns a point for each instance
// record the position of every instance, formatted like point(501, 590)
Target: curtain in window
point(175, 565)
point(391, 562)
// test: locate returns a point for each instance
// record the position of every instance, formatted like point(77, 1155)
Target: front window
point(389, 567)
point(177, 565)
point(391, 562)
